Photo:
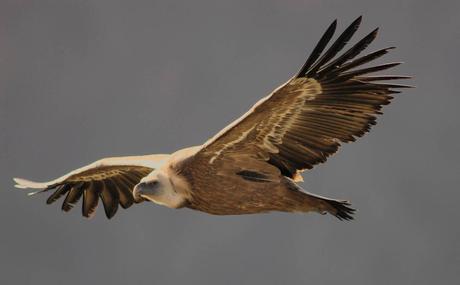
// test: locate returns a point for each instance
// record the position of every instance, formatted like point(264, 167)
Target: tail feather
point(341, 209)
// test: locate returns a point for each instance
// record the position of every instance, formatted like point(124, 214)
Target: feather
point(354, 73)
point(360, 61)
point(74, 195)
point(124, 190)
point(91, 199)
point(381, 78)
point(24, 183)
point(351, 53)
point(318, 49)
point(336, 47)
point(110, 200)
point(61, 191)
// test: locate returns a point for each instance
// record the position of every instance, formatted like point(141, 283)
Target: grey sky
point(82, 80)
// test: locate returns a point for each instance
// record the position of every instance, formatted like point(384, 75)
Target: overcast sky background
point(82, 80)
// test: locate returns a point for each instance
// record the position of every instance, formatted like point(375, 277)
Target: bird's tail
point(341, 209)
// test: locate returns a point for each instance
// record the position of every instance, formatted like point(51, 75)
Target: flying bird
point(252, 165)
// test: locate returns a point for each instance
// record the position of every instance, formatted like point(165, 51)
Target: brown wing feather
point(73, 196)
point(112, 184)
point(90, 199)
point(110, 199)
point(304, 121)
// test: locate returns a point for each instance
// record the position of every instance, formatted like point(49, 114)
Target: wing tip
point(356, 23)
point(375, 31)
point(22, 183)
point(358, 20)
point(334, 23)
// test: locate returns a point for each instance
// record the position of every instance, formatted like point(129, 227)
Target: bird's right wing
point(111, 179)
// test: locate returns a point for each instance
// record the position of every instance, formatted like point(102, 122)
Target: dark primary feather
point(355, 73)
point(110, 199)
point(73, 197)
point(360, 61)
point(91, 198)
point(113, 185)
point(336, 47)
point(351, 53)
point(382, 77)
point(318, 49)
point(60, 191)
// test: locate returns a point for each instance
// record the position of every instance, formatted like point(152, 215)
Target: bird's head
point(158, 188)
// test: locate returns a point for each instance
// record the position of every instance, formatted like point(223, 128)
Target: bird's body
point(252, 165)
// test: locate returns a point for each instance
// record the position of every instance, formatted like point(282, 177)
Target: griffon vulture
point(252, 165)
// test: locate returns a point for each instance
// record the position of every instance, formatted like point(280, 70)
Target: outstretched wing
point(111, 179)
point(332, 100)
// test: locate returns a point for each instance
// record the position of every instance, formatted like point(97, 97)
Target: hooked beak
point(142, 190)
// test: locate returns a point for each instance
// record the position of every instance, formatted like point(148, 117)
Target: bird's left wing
point(110, 179)
point(331, 100)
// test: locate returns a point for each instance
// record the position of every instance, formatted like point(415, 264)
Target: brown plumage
point(252, 165)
